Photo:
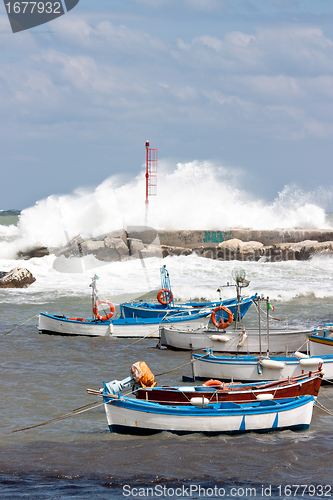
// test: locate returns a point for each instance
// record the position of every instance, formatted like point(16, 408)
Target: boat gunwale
point(210, 410)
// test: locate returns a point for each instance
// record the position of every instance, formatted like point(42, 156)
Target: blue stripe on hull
point(124, 429)
point(50, 332)
point(276, 422)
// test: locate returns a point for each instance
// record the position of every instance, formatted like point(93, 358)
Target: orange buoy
point(212, 382)
point(96, 313)
point(164, 296)
point(219, 323)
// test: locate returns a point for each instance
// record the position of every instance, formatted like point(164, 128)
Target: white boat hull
point(152, 331)
point(245, 369)
point(233, 342)
point(60, 326)
point(321, 345)
point(138, 421)
point(63, 326)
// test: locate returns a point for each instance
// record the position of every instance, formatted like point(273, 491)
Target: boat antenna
point(267, 308)
point(94, 291)
point(259, 299)
point(166, 285)
point(238, 274)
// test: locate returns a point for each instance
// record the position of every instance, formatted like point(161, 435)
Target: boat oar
point(6, 333)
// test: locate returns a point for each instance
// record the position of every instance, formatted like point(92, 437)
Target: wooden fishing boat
point(119, 327)
point(150, 310)
point(240, 341)
point(256, 368)
point(216, 391)
point(321, 342)
point(134, 416)
point(166, 305)
point(104, 324)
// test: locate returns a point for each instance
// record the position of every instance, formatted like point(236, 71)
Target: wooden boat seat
point(268, 402)
point(228, 405)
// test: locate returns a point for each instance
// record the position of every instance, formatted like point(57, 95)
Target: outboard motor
point(116, 386)
point(140, 374)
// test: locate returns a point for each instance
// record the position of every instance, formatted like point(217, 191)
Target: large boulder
point(108, 247)
point(16, 278)
point(135, 245)
point(34, 252)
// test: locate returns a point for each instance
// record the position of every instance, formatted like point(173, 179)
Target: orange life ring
point(164, 296)
point(220, 323)
point(212, 382)
point(96, 313)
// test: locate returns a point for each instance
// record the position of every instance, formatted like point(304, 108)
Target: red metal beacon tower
point(151, 174)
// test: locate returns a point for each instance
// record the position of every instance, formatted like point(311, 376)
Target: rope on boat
point(181, 366)
point(302, 345)
point(77, 411)
point(91, 406)
point(327, 381)
point(264, 317)
point(6, 333)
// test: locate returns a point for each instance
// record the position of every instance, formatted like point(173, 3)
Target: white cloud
point(276, 82)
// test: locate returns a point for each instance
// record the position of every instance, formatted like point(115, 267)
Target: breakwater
point(233, 244)
point(190, 238)
point(248, 244)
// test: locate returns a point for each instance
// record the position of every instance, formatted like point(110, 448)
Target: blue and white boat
point(259, 368)
point(150, 310)
point(133, 416)
point(104, 324)
point(119, 327)
point(166, 305)
point(321, 342)
point(234, 341)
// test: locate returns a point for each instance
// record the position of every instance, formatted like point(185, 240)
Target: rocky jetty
point(236, 249)
point(136, 242)
point(16, 278)
point(34, 252)
point(236, 244)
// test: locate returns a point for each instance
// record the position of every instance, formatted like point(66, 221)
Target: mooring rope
point(327, 381)
point(323, 408)
point(148, 335)
point(181, 366)
point(321, 392)
point(6, 333)
point(77, 411)
point(91, 406)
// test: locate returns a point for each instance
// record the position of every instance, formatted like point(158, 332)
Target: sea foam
point(194, 195)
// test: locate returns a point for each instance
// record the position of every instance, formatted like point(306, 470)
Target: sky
point(242, 84)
